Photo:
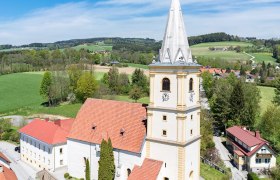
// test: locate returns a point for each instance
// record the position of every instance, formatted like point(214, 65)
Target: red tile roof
point(148, 171)
point(4, 157)
point(109, 118)
point(48, 131)
point(244, 135)
point(7, 174)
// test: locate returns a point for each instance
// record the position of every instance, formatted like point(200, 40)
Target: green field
point(202, 50)
point(209, 173)
point(267, 94)
point(266, 57)
point(222, 44)
point(94, 47)
point(19, 90)
point(19, 95)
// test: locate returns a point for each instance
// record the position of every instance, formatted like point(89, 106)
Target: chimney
point(122, 131)
point(257, 134)
point(1, 169)
point(57, 122)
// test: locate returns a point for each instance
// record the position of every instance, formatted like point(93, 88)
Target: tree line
point(76, 84)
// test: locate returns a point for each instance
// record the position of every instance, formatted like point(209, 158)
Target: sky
point(29, 21)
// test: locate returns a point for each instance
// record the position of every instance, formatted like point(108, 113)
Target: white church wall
point(169, 155)
point(192, 163)
point(77, 150)
point(158, 125)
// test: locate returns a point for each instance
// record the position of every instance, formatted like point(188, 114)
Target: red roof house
point(123, 122)
point(50, 132)
point(5, 172)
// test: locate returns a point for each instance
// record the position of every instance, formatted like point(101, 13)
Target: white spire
point(175, 46)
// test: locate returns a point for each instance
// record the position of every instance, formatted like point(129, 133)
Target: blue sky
point(23, 22)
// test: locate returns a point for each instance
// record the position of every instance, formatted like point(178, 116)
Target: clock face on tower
point(165, 97)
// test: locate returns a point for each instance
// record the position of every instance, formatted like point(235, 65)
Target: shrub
point(66, 175)
point(252, 176)
point(5, 136)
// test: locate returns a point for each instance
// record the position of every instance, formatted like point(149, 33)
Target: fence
point(213, 165)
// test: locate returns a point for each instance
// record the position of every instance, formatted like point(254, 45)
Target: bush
point(252, 176)
point(5, 136)
point(66, 175)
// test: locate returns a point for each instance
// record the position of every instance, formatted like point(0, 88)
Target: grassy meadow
point(19, 95)
point(202, 50)
point(209, 173)
point(266, 57)
point(267, 94)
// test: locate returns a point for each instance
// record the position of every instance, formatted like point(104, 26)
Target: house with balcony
point(250, 151)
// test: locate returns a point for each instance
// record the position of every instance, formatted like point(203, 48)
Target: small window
point(267, 161)
point(191, 117)
point(128, 172)
point(258, 161)
point(165, 178)
point(191, 132)
point(191, 84)
point(61, 162)
point(61, 150)
point(166, 84)
point(164, 118)
point(263, 150)
point(164, 164)
point(164, 132)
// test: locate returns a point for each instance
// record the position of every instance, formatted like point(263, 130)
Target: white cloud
point(128, 18)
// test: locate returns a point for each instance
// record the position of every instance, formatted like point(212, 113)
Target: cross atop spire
point(175, 47)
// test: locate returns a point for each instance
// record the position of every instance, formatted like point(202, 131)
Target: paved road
point(224, 154)
point(22, 170)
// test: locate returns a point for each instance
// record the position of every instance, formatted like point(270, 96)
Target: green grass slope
point(19, 90)
point(266, 57)
point(209, 173)
point(267, 94)
point(202, 50)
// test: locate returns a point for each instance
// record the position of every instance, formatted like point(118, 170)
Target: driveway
point(22, 170)
point(224, 154)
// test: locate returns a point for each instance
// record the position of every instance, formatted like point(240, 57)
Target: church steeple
point(175, 47)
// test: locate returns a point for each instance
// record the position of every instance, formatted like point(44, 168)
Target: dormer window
point(191, 85)
point(93, 126)
point(165, 84)
point(122, 131)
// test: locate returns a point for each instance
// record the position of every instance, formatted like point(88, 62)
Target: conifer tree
point(87, 170)
point(106, 162)
point(276, 99)
point(237, 103)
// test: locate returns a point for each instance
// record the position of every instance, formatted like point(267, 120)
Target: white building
point(250, 151)
point(43, 143)
point(161, 141)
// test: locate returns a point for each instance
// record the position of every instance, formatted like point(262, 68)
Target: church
point(156, 141)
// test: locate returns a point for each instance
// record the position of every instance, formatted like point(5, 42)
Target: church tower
point(173, 134)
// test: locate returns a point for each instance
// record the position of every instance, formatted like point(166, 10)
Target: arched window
point(191, 84)
point(128, 172)
point(166, 84)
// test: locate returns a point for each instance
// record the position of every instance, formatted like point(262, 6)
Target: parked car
point(17, 149)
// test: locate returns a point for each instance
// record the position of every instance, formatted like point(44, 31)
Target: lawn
point(209, 173)
point(267, 94)
point(266, 57)
point(93, 47)
point(202, 50)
